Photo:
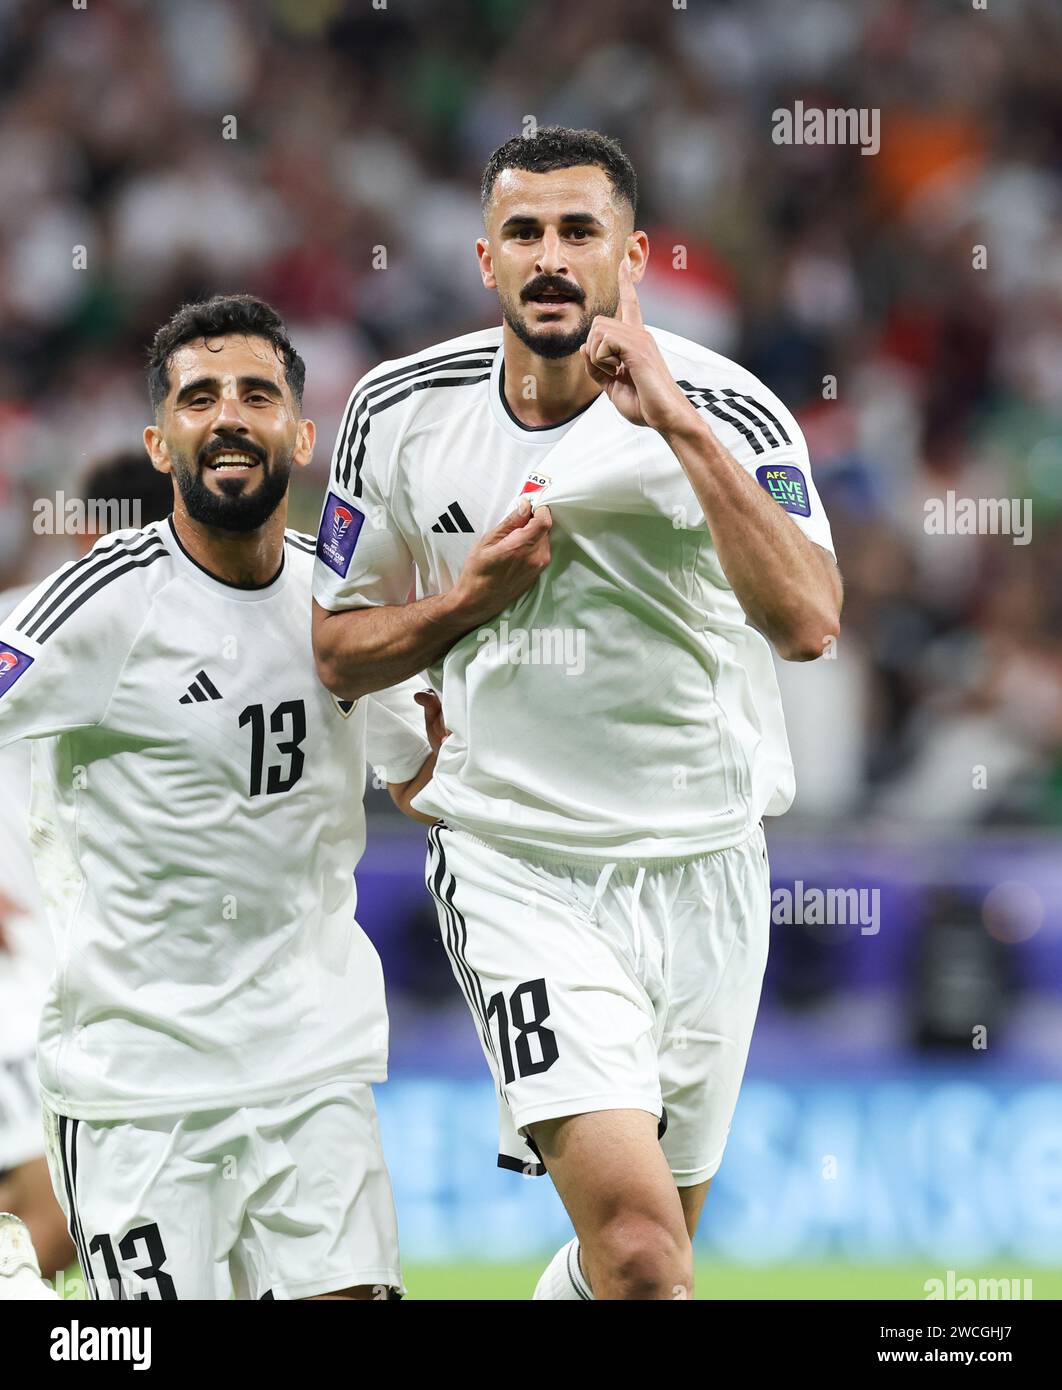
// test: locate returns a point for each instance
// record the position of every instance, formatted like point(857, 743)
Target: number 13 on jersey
point(288, 718)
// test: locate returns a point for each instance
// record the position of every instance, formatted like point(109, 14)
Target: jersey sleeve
point(764, 438)
point(61, 654)
point(396, 744)
point(362, 559)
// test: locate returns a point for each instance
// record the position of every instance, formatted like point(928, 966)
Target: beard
point(230, 510)
point(548, 342)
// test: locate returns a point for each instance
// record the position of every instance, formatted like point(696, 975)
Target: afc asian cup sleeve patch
point(13, 664)
point(340, 527)
point(786, 485)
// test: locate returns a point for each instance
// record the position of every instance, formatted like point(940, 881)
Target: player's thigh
point(149, 1216)
point(564, 1023)
point(606, 1162)
point(321, 1220)
point(719, 936)
point(27, 1192)
point(611, 1174)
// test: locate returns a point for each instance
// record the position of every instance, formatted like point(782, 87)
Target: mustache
point(230, 444)
point(543, 284)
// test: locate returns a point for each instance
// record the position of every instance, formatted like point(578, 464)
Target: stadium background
point(875, 1146)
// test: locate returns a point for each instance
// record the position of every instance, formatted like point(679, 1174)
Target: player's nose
point(229, 415)
point(551, 257)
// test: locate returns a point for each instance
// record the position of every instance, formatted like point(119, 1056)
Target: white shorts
point(282, 1200)
point(21, 1137)
point(607, 987)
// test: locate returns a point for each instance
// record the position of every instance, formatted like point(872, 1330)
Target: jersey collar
point(537, 436)
point(243, 593)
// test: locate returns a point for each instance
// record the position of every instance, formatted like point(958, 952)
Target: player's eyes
point(259, 398)
point(579, 232)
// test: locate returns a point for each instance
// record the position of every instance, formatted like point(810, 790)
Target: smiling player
point(601, 874)
point(217, 1015)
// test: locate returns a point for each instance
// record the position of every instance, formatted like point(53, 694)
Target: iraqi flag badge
point(534, 485)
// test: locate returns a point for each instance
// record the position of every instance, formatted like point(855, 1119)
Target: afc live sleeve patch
point(786, 485)
point(340, 527)
point(13, 664)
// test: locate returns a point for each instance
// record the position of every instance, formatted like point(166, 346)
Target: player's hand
point(622, 356)
point(504, 564)
point(434, 727)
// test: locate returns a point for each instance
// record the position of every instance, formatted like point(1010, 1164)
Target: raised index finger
point(630, 311)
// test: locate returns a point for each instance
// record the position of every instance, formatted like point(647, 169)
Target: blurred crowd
point(907, 305)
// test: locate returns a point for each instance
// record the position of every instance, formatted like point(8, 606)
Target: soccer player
point(217, 1016)
point(125, 485)
point(617, 735)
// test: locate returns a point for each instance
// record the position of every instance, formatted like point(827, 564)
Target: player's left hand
point(622, 356)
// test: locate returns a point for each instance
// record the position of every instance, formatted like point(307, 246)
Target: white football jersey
point(623, 707)
point(196, 817)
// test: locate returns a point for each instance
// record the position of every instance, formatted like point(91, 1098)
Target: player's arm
point(366, 636)
point(788, 585)
point(364, 649)
point(360, 650)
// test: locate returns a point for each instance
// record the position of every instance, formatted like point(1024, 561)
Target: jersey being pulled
point(623, 707)
point(196, 816)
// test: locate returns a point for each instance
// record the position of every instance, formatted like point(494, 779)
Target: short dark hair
point(213, 318)
point(557, 147)
point(127, 476)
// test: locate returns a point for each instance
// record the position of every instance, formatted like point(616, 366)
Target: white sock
point(563, 1277)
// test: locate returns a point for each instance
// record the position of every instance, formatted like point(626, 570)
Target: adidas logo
point(453, 520)
point(202, 688)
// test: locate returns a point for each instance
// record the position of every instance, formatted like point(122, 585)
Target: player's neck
point(247, 560)
point(543, 390)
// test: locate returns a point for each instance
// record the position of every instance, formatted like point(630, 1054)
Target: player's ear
point(157, 451)
point(638, 254)
point(305, 439)
point(486, 263)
